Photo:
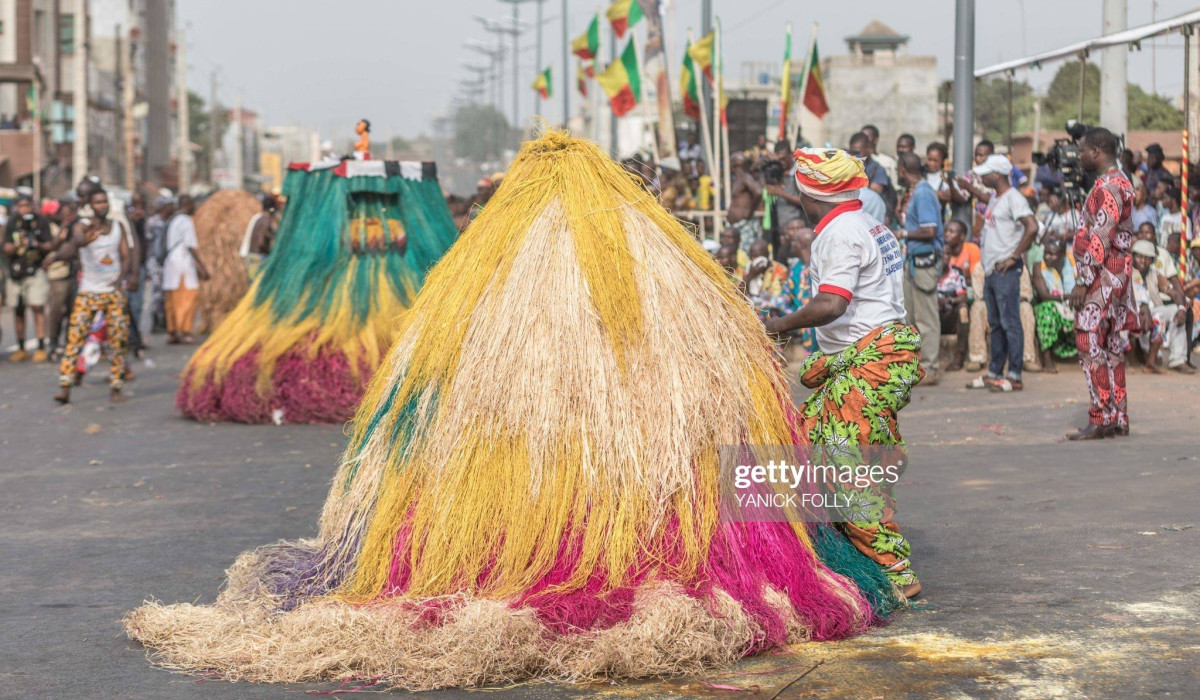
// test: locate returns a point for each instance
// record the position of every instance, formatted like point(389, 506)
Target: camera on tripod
point(1063, 158)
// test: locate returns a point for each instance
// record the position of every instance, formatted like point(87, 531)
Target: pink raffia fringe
point(306, 389)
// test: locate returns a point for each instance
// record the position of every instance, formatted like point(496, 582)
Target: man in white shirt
point(1008, 230)
point(869, 360)
point(182, 272)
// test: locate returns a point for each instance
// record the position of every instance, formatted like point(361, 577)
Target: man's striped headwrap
point(829, 174)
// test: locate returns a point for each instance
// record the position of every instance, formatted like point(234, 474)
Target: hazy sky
point(398, 62)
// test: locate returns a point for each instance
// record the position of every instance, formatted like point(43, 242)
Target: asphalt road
point(1050, 569)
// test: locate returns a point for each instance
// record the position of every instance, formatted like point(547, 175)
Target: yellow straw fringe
point(252, 325)
point(573, 363)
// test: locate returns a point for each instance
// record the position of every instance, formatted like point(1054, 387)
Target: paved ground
point(1051, 570)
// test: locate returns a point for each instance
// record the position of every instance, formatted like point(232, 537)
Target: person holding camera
point(1008, 230)
point(922, 260)
point(1103, 293)
point(27, 241)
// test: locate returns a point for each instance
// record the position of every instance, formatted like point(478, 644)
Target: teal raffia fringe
point(840, 555)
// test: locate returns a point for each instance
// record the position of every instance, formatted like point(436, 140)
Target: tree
point(481, 132)
point(991, 108)
point(1146, 111)
point(199, 128)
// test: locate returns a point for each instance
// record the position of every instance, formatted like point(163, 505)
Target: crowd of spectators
point(989, 259)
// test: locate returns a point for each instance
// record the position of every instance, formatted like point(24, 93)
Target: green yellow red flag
point(623, 14)
point(587, 45)
point(814, 85)
point(622, 81)
point(542, 83)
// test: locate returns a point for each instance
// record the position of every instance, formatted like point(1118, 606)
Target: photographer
point(27, 241)
point(787, 204)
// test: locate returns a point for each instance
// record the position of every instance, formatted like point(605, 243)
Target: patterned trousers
point(1102, 356)
point(87, 305)
point(858, 394)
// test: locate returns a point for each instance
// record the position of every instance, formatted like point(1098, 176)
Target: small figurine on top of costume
point(362, 149)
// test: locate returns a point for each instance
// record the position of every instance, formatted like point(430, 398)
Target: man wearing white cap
point(1008, 230)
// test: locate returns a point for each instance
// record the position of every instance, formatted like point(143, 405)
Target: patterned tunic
point(1104, 266)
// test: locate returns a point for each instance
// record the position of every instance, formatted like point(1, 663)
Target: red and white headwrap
point(829, 174)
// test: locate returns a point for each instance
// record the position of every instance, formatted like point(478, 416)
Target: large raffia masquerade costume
point(353, 248)
point(531, 484)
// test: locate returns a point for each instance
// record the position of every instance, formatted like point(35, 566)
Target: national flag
point(587, 45)
point(702, 55)
point(814, 85)
point(623, 14)
point(622, 81)
point(688, 87)
point(785, 85)
point(542, 83)
point(581, 76)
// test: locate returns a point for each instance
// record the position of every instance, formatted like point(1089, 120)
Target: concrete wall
point(897, 97)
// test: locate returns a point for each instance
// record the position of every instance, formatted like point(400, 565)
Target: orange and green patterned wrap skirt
point(857, 395)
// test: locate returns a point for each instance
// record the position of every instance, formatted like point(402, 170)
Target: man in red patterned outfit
point(1103, 295)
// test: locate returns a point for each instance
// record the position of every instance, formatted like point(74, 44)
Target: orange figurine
point(362, 149)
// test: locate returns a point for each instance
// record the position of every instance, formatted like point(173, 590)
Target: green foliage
point(1152, 112)
point(1062, 97)
point(991, 108)
point(200, 128)
point(481, 132)
point(1146, 111)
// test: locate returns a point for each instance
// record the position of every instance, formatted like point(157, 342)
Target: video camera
point(1063, 158)
point(771, 170)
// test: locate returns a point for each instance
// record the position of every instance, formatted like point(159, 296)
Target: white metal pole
point(79, 150)
point(181, 104)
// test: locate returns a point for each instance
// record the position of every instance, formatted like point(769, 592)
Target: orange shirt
point(967, 259)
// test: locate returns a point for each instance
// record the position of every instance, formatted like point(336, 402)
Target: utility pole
point(612, 118)
point(125, 56)
point(515, 30)
point(706, 28)
point(538, 67)
point(566, 77)
point(79, 149)
point(964, 83)
point(213, 122)
point(181, 106)
point(1114, 109)
point(239, 139)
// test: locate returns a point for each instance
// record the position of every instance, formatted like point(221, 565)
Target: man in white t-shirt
point(182, 272)
point(1008, 230)
point(869, 360)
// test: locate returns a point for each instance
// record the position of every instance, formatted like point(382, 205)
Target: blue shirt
point(924, 209)
point(1146, 215)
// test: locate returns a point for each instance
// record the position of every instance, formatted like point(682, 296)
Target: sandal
point(984, 382)
point(1006, 385)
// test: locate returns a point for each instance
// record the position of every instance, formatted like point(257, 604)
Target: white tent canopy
point(1127, 36)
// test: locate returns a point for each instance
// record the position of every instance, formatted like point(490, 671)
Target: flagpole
point(566, 52)
point(717, 109)
point(706, 136)
point(812, 41)
point(785, 87)
point(641, 59)
point(595, 97)
point(666, 27)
